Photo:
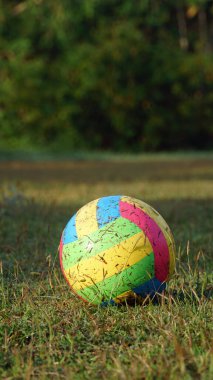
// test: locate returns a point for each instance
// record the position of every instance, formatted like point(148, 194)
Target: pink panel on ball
point(153, 233)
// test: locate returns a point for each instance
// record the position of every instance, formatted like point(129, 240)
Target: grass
point(45, 331)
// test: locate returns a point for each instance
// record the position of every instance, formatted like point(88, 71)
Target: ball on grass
point(114, 248)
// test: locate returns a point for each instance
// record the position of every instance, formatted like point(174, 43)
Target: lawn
point(45, 331)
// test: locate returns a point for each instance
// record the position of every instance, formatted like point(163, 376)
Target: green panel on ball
point(108, 236)
point(128, 279)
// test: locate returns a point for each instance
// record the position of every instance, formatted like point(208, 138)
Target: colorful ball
point(116, 247)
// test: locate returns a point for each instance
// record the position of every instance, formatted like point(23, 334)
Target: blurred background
point(110, 75)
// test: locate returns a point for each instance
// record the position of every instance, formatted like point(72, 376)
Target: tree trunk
point(203, 29)
point(182, 28)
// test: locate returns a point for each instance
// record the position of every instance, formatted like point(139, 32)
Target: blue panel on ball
point(107, 303)
point(70, 234)
point(150, 288)
point(108, 210)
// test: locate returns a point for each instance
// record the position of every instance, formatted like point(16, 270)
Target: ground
point(45, 331)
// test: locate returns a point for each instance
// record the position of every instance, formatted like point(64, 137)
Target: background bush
point(106, 74)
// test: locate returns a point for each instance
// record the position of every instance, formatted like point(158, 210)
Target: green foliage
point(122, 75)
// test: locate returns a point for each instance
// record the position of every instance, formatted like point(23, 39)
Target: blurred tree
point(106, 74)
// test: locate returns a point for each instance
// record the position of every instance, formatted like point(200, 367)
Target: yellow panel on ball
point(109, 262)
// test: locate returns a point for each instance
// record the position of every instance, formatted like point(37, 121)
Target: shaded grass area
point(45, 332)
